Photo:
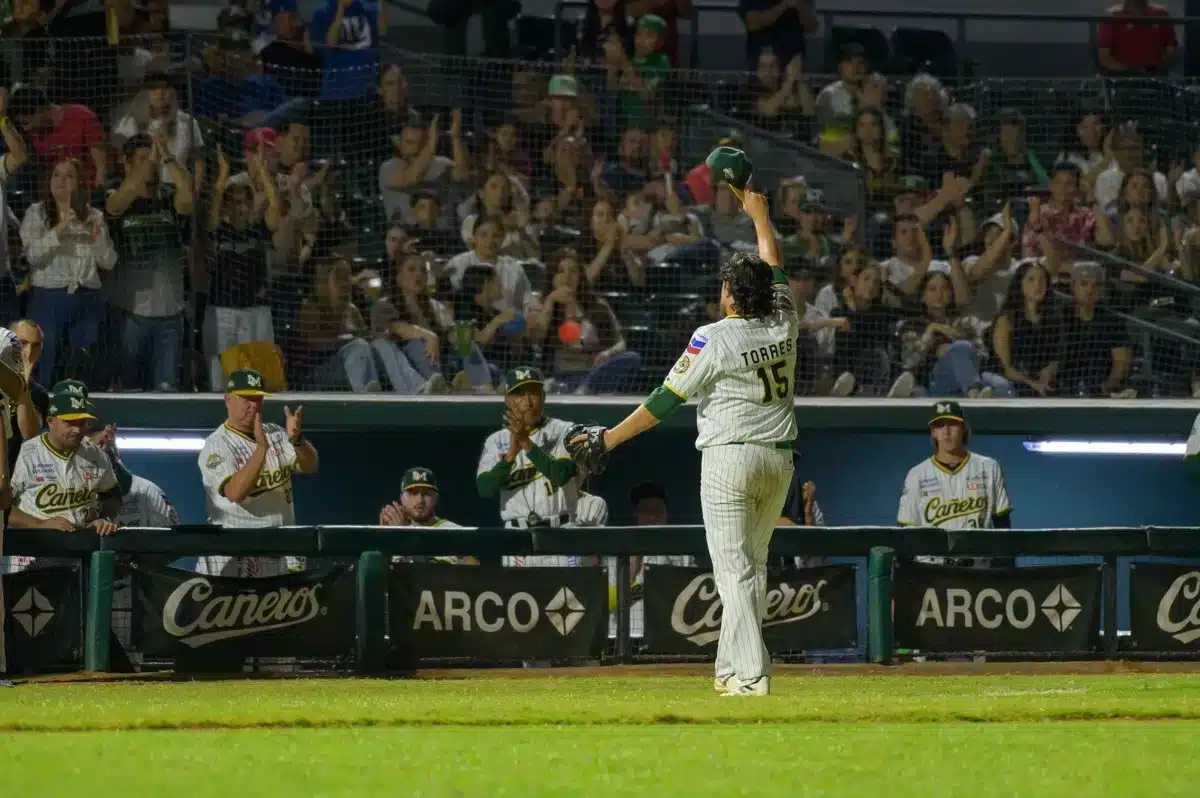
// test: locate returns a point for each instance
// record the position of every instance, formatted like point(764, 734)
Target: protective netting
point(419, 223)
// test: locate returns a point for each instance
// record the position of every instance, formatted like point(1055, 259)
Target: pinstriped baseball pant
point(742, 491)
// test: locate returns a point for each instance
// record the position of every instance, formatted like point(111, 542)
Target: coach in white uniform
point(741, 369)
point(955, 488)
point(246, 466)
point(526, 466)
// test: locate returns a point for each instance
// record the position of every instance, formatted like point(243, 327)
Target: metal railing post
point(624, 609)
point(1108, 593)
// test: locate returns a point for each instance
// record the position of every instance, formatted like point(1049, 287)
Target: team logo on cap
point(943, 407)
point(254, 381)
point(523, 374)
point(729, 174)
point(420, 476)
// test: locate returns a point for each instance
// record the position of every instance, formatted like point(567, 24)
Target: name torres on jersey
point(765, 354)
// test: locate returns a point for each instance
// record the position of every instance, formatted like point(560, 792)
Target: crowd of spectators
point(272, 197)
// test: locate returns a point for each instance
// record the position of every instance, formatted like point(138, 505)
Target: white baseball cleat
point(755, 687)
point(722, 683)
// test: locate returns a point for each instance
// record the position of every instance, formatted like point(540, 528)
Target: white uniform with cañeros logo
point(269, 503)
point(967, 496)
point(47, 483)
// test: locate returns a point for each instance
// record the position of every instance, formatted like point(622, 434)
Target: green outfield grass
point(944, 736)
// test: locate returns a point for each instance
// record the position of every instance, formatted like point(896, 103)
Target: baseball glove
point(588, 453)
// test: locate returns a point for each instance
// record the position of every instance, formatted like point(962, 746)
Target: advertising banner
point(43, 627)
point(1164, 606)
point(807, 609)
point(294, 615)
point(939, 608)
point(492, 612)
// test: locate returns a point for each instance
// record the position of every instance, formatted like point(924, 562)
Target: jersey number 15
point(774, 380)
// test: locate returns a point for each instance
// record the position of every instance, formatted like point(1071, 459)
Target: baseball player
point(418, 507)
point(246, 466)
point(63, 480)
point(741, 369)
point(527, 467)
point(955, 488)
point(145, 503)
point(13, 380)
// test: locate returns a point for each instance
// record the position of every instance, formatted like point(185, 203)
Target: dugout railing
point(349, 610)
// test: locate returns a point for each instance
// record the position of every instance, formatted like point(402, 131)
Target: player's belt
point(781, 445)
point(561, 519)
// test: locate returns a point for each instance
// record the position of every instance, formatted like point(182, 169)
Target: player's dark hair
point(906, 217)
point(749, 279)
point(647, 490)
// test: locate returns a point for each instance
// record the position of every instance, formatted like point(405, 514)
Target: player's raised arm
point(759, 212)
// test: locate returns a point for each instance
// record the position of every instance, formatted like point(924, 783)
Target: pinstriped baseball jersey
point(529, 494)
point(269, 503)
point(146, 505)
point(47, 483)
point(742, 369)
point(965, 497)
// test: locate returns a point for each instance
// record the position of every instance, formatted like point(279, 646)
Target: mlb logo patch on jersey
point(696, 344)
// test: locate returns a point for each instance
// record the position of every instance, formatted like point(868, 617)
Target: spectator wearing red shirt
point(61, 131)
point(1062, 217)
point(1133, 46)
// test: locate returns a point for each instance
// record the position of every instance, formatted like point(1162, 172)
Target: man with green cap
point(107, 443)
point(525, 464)
point(62, 480)
point(246, 466)
point(955, 488)
point(418, 507)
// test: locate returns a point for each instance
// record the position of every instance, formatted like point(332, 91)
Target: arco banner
point(952, 609)
point(495, 613)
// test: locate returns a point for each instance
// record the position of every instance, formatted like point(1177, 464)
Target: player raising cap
point(955, 488)
point(246, 466)
point(741, 369)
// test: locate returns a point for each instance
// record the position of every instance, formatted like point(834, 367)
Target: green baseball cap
point(563, 86)
point(69, 407)
point(521, 375)
point(73, 387)
point(653, 22)
point(947, 411)
point(731, 166)
point(247, 382)
point(418, 477)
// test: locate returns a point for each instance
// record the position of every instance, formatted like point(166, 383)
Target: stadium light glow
point(159, 443)
point(1143, 448)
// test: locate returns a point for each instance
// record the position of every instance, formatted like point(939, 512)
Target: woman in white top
point(67, 244)
point(155, 108)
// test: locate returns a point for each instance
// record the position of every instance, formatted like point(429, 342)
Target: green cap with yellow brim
point(419, 477)
point(947, 411)
point(247, 382)
point(730, 165)
point(69, 407)
point(522, 375)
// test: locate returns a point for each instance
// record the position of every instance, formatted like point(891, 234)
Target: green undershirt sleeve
point(490, 482)
point(559, 472)
point(662, 402)
point(778, 276)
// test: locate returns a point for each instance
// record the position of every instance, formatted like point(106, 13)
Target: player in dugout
point(418, 507)
point(955, 488)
